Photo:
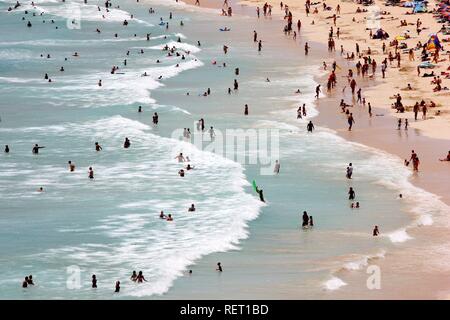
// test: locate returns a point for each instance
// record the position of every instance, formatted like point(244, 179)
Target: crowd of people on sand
point(366, 68)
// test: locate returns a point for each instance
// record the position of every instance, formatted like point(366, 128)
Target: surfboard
point(254, 185)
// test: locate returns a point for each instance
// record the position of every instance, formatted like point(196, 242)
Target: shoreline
point(376, 129)
point(380, 132)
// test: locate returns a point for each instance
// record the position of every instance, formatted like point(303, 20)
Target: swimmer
point(40, 189)
point(310, 126)
point(349, 171)
point(30, 280)
point(212, 134)
point(6, 149)
point(140, 109)
point(127, 143)
point(91, 173)
point(181, 173)
point(36, 148)
point(133, 276)
point(180, 158)
point(189, 167)
point(169, 218)
point(276, 168)
point(155, 118)
point(25, 283)
point(351, 194)
point(71, 166)
point(162, 215)
point(191, 208)
point(305, 219)
point(117, 290)
point(98, 147)
point(219, 267)
point(140, 278)
point(94, 281)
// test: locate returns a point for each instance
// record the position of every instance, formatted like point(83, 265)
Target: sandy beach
point(145, 72)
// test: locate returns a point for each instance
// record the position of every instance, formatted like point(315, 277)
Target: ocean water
point(110, 226)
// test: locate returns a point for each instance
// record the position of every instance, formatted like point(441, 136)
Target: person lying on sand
point(446, 158)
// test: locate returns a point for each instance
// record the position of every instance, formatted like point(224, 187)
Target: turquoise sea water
point(110, 226)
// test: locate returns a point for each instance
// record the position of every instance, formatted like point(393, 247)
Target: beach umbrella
point(433, 43)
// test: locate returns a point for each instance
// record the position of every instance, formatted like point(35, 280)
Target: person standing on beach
point(259, 46)
point(353, 85)
point(246, 110)
point(370, 109)
point(306, 49)
point(375, 232)
point(255, 36)
point(416, 163)
point(416, 110)
point(350, 121)
point(317, 91)
point(424, 112)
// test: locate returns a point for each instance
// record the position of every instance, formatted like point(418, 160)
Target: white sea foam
point(363, 261)
point(399, 236)
point(178, 45)
point(72, 42)
point(133, 236)
point(128, 88)
point(334, 284)
point(87, 12)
